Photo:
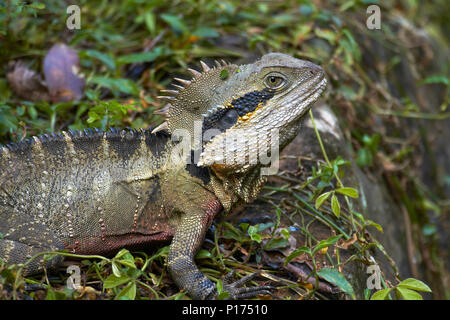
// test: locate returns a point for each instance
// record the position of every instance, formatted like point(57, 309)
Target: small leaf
point(351, 192)
point(150, 22)
point(114, 281)
point(275, 242)
point(381, 295)
point(37, 5)
point(321, 199)
point(232, 233)
point(128, 263)
point(253, 233)
point(221, 295)
point(297, 252)
point(176, 23)
point(121, 85)
point(127, 293)
point(326, 34)
point(219, 286)
point(414, 284)
point(335, 277)
point(107, 59)
point(50, 294)
point(326, 243)
point(116, 269)
point(121, 253)
point(407, 294)
point(373, 224)
point(141, 56)
point(435, 79)
point(335, 206)
point(206, 32)
point(203, 254)
point(224, 74)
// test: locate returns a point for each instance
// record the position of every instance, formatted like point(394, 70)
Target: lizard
point(96, 192)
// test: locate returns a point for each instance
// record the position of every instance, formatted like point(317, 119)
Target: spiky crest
point(194, 98)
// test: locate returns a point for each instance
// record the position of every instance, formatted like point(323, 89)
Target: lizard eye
point(274, 81)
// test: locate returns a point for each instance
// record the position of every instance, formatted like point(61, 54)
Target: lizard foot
point(237, 292)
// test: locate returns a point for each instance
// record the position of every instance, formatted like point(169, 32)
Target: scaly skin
point(96, 192)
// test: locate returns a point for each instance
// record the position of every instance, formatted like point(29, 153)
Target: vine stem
point(66, 254)
point(325, 156)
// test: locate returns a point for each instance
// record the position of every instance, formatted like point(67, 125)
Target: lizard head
point(237, 109)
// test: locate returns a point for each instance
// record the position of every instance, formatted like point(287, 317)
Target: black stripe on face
point(250, 101)
point(224, 119)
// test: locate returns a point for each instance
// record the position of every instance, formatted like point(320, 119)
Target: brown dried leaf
point(61, 67)
point(345, 244)
point(26, 83)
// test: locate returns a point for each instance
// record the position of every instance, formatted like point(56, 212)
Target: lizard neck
point(234, 188)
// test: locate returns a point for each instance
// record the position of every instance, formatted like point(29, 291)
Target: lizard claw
point(237, 292)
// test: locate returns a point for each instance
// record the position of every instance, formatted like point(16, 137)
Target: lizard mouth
point(302, 103)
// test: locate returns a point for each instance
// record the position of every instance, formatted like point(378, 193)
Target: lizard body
point(94, 192)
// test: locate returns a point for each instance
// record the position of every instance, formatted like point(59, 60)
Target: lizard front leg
point(187, 240)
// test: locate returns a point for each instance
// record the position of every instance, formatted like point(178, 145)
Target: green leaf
point(381, 295)
point(353, 44)
point(121, 253)
point(351, 192)
point(364, 157)
point(121, 85)
point(141, 56)
point(373, 224)
point(224, 74)
point(114, 281)
point(326, 243)
point(297, 252)
point(414, 284)
point(37, 5)
point(206, 32)
point(116, 269)
point(107, 59)
point(253, 233)
point(435, 79)
point(221, 295)
point(128, 263)
point(346, 5)
point(321, 199)
point(407, 294)
point(127, 293)
point(150, 21)
point(335, 206)
point(232, 233)
point(219, 285)
point(201, 254)
point(50, 294)
point(335, 277)
point(275, 242)
point(175, 23)
point(326, 34)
